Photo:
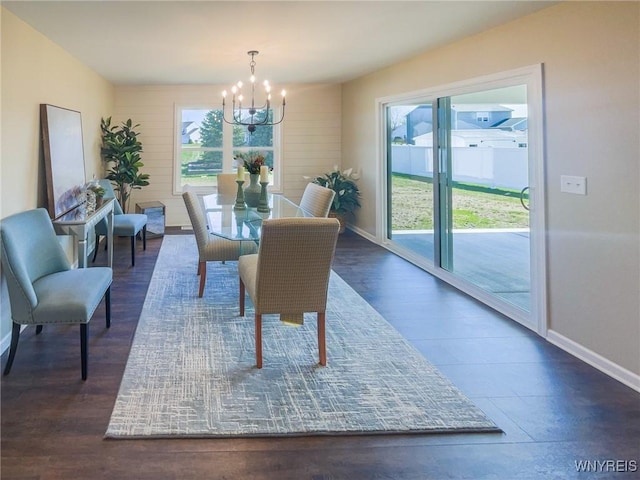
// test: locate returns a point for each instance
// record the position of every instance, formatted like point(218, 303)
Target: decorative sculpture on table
point(239, 205)
point(255, 164)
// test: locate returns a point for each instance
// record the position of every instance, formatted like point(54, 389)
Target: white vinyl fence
point(493, 167)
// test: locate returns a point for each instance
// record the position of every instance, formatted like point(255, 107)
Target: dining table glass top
point(228, 222)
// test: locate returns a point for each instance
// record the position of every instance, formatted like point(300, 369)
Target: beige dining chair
point(211, 248)
point(317, 200)
point(227, 185)
point(290, 273)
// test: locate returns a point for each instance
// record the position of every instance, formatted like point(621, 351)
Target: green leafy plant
point(121, 151)
point(347, 197)
point(98, 190)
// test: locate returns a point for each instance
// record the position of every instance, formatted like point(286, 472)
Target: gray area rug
point(191, 370)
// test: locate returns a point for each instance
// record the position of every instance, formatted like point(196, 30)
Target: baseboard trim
point(596, 360)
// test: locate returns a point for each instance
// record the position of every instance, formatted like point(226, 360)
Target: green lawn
point(473, 206)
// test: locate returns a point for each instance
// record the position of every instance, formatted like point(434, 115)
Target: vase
point(252, 191)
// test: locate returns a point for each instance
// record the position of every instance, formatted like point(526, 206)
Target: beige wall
point(591, 57)
point(310, 135)
point(34, 71)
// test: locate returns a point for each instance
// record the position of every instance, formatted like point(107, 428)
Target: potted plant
point(98, 191)
point(347, 197)
point(121, 151)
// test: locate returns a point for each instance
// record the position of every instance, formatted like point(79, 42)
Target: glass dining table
point(242, 225)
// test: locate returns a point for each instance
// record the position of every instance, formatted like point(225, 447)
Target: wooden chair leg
point(15, 335)
point(84, 335)
point(38, 329)
point(107, 305)
point(322, 346)
point(202, 268)
point(241, 297)
point(144, 237)
point(258, 319)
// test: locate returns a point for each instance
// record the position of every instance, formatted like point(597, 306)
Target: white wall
point(34, 71)
point(590, 52)
point(311, 132)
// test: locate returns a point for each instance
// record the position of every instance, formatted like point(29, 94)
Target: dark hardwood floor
point(554, 409)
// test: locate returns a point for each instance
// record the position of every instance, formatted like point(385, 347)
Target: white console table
point(79, 223)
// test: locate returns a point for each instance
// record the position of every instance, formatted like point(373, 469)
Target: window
point(206, 146)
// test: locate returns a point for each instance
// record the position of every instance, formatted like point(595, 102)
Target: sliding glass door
point(484, 217)
point(410, 180)
point(459, 189)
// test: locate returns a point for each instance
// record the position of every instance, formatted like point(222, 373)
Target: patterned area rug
point(191, 371)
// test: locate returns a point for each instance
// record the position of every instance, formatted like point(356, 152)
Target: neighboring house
point(419, 121)
point(189, 132)
point(513, 125)
point(469, 116)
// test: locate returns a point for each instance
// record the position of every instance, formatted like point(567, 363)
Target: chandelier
point(253, 115)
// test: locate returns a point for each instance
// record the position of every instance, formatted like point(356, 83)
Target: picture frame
point(63, 157)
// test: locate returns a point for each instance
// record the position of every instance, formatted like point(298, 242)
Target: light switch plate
point(573, 184)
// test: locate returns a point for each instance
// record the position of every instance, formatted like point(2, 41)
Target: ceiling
point(206, 42)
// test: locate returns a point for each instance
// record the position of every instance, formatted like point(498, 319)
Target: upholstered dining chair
point(227, 185)
point(43, 288)
point(317, 200)
point(290, 273)
point(210, 247)
point(124, 224)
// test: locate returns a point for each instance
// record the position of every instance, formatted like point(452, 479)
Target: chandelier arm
point(236, 113)
point(234, 120)
point(281, 119)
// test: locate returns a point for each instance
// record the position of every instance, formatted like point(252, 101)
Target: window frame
point(227, 149)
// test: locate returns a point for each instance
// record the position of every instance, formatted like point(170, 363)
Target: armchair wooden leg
point(107, 305)
point(84, 335)
point(15, 335)
point(202, 268)
point(322, 346)
point(241, 297)
point(38, 329)
point(258, 340)
point(144, 237)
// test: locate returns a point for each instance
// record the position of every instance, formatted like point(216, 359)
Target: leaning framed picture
point(63, 158)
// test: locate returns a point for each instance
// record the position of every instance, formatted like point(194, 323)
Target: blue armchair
point(124, 224)
point(43, 288)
